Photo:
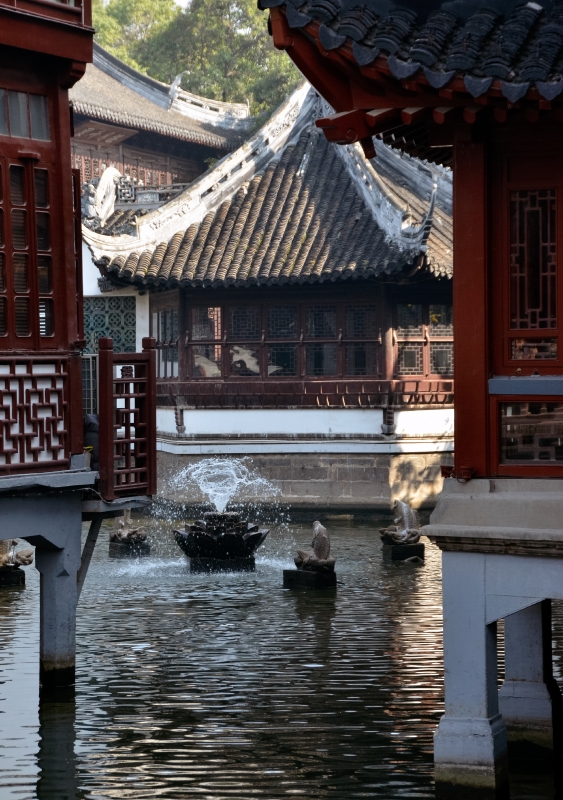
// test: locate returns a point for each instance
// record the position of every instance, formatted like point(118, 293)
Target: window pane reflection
point(321, 322)
point(17, 103)
point(361, 359)
point(282, 359)
point(206, 323)
point(531, 432)
point(244, 360)
point(533, 349)
point(320, 359)
point(206, 361)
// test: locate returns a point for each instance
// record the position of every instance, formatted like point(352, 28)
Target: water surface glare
point(226, 686)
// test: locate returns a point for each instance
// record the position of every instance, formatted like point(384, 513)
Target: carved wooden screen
point(533, 266)
point(528, 298)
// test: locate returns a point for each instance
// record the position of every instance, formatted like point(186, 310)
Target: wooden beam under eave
point(472, 113)
point(411, 115)
point(443, 114)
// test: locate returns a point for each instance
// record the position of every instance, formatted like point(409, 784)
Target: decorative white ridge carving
point(393, 216)
point(228, 115)
point(217, 184)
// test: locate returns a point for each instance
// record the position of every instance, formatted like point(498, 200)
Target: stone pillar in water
point(54, 526)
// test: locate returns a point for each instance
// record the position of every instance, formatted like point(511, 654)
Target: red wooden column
point(470, 305)
point(149, 350)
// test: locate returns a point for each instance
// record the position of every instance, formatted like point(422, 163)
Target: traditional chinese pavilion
point(307, 328)
point(45, 476)
point(478, 87)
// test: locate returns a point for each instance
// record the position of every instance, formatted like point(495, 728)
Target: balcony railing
point(127, 413)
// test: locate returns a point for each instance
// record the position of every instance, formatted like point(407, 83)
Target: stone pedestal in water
point(221, 541)
point(314, 570)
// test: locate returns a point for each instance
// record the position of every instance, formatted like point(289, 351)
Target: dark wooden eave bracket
point(359, 125)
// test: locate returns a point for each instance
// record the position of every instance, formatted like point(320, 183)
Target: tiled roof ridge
point(302, 219)
point(485, 51)
point(172, 97)
point(90, 109)
point(222, 180)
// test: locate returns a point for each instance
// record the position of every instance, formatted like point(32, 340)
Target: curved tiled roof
point(100, 96)
point(510, 53)
point(303, 219)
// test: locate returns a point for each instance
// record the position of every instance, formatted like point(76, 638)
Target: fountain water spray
point(223, 480)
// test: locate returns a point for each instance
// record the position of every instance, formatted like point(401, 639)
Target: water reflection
point(58, 775)
point(227, 686)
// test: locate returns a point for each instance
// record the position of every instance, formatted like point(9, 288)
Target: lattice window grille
point(533, 237)
point(409, 319)
point(441, 320)
point(442, 358)
point(410, 358)
point(320, 359)
point(244, 322)
point(32, 409)
point(321, 322)
point(282, 322)
point(360, 322)
point(110, 316)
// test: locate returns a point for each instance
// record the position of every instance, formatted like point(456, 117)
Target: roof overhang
point(418, 108)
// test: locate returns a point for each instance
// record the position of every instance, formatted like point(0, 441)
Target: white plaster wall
point(241, 422)
point(425, 422)
point(90, 275)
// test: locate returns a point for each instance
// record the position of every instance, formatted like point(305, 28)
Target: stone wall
point(336, 481)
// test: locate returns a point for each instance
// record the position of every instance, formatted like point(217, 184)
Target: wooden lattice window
point(424, 339)
point(285, 340)
point(533, 252)
point(27, 312)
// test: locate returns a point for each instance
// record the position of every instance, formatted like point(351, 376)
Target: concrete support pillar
point(54, 526)
point(58, 599)
point(529, 690)
point(470, 748)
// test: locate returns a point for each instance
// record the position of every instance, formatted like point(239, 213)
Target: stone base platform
point(126, 550)
point(306, 579)
point(12, 577)
point(222, 565)
point(400, 552)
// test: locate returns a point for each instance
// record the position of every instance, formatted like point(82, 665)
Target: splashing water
point(225, 479)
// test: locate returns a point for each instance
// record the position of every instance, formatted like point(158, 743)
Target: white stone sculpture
point(105, 193)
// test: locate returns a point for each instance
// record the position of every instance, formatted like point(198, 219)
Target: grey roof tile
point(523, 47)
point(303, 219)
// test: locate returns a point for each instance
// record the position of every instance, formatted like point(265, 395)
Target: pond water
point(227, 686)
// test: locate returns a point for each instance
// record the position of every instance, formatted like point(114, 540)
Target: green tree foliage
point(222, 47)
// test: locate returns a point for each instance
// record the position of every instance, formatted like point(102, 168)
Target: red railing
point(127, 412)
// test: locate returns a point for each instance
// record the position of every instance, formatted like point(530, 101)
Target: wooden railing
point(321, 393)
point(127, 412)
